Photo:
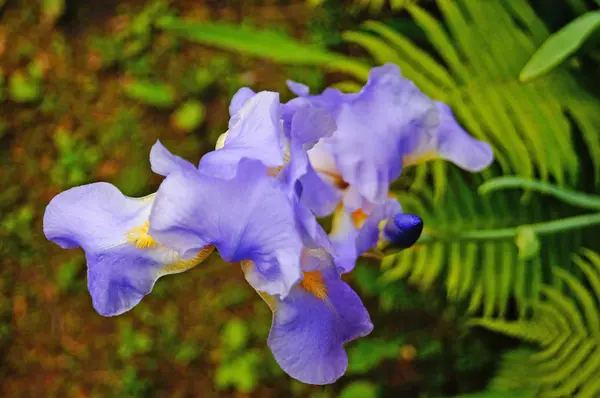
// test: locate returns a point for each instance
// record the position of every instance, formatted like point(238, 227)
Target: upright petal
point(450, 142)
point(239, 99)
point(254, 133)
point(247, 218)
point(311, 326)
point(308, 126)
point(164, 162)
point(373, 128)
point(123, 260)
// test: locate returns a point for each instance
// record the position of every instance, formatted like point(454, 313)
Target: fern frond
point(486, 272)
point(565, 327)
point(486, 47)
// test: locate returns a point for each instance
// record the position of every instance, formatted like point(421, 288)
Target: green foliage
point(241, 372)
point(75, 159)
point(132, 342)
point(240, 365)
point(52, 10)
point(132, 385)
point(498, 394)
point(24, 88)
point(527, 242)
point(66, 275)
point(234, 335)
point(375, 6)
point(565, 327)
point(482, 267)
point(367, 354)
point(2, 79)
point(263, 43)
point(561, 45)
point(488, 44)
point(189, 116)
point(360, 389)
point(158, 94)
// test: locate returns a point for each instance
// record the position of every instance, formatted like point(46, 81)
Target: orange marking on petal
point(359, 217)
point(313, 283)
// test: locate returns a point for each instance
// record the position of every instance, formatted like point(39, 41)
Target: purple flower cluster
point(256, 199)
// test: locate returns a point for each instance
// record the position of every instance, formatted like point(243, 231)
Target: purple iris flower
point(387, 125)
point(123, 259)
point(256, 219)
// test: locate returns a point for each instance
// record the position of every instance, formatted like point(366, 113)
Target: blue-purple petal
point(239, 99)
point(254, 133)
point(308, 333)
point(164, 162)
point(248, 217)
point(100, 219)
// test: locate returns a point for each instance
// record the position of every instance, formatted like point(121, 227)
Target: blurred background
point(87, 87)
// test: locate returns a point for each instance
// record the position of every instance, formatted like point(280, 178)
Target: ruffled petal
point(311, 326)
point(254, 133)
point(123, 260)
point(373, 127)
point(247, 217)
point(450, 142)
point(164, 162)
point(93, 216)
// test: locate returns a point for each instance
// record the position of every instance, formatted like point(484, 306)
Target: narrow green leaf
point(586, 301)
point(263, 43)
point(560, 45)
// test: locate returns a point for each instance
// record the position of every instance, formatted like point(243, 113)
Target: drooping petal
point(164, 162)
point(311, 326)
point(450, 142)
point(247, 217)
point(354, 233)
point(123, 260)
point(254, 133)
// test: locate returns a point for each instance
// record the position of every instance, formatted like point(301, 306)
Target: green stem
point(542, 228)
point(569, 196)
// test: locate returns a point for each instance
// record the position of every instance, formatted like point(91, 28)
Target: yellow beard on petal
point(140, 238)
point(314, 284)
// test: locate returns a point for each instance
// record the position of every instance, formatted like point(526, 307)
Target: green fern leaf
point(486, 48)
point(566, 328)
point(485, 272)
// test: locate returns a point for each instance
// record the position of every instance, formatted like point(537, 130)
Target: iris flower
point(250, 218)
point(387, 125)
point(123, 259)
